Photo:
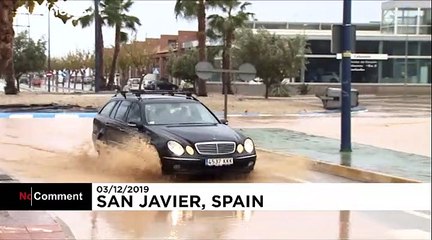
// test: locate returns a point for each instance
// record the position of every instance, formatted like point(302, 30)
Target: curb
point(351, 173)
point(357, 174)
point(45, 231)
point(48, 115)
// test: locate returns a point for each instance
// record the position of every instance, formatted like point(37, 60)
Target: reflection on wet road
point(241, 225)
point(54, 150)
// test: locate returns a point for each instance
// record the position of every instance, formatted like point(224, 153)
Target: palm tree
point(191, 10)
point(224, 27)
point(116, 12)
point(113, 13)
point(85, 21)
point(8, 10)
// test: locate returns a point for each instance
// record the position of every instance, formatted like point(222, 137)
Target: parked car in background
point(133, 83)
point(326, 77)
point(36, 82)
point(329, 77)
point(186, 86)
point(148, 78)
point(88, 80)
point(161, 85)
point(24, 80)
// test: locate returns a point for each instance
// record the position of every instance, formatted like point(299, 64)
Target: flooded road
point(60, 150)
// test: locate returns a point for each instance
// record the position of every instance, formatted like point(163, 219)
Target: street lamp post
point(49, 51)
point(346, 79)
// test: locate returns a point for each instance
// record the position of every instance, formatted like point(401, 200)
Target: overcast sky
point(157, 17)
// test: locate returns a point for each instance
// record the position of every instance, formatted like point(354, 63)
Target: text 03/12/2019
point(159, 202)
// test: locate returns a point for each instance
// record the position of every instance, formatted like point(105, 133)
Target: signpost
point(346, 78)
point(205, 70)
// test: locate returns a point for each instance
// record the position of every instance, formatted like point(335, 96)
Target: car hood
point(197, 133)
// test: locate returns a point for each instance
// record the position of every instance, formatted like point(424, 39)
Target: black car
point(161, 85)
point(188, 136)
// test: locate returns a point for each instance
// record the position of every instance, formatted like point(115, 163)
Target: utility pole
point(98, 59)
point(49, 51)
point(406, 66)
point(346, 79)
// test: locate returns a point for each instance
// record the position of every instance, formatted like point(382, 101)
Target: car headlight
point(248, 145)
point(175, 148)
point(190, 150)
point(240, 148)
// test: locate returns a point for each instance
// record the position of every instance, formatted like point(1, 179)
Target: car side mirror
point(224, 121)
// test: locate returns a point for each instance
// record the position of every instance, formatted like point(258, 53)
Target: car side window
point(122, 110)
point(134, 115)
point(113, 112)
point(106, 110)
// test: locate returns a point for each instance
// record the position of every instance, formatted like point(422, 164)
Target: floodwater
point(60, 150)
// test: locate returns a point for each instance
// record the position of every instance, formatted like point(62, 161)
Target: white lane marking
point(66, 116)
point(21, 116)
point(419, 214)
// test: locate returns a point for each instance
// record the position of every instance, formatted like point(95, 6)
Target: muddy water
point(54, 150)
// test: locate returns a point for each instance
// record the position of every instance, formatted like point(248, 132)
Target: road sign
point(363, 56)
point(247, 72)
point(204, 70)
point(49, 74)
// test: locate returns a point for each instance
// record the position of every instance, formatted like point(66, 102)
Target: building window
point(320, 46)
point(172, 44)
point(398, 48)
point(407, 21)
point(419, 71)
point(425, 48)
point(425, 21)
point(367, 46)
point(388, 21)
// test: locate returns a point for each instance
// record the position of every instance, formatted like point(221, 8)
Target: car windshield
point(178, 113)
point(135, 81)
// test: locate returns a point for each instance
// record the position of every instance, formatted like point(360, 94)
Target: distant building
point(405, 25)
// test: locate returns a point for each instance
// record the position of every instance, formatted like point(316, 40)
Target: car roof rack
point(138, 93)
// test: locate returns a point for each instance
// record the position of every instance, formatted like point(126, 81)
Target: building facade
point(402, 38)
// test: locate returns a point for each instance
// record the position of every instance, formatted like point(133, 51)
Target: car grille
point(215, 148)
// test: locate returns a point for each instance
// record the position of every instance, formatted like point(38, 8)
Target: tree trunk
point(69, 78)
point(17, 77)
point(99, 66)
point(82, 79)
point(115, 57)
point(201, 83)
point(7, 11)
point(267, 88)
point(75, 79)
point(226, 64)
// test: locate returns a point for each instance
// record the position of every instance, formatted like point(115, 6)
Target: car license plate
point(219, 162)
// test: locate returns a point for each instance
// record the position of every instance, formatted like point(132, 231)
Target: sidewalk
point(26, 225)
point(327, 149)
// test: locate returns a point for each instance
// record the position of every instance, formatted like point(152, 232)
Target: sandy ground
point(236, 104)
